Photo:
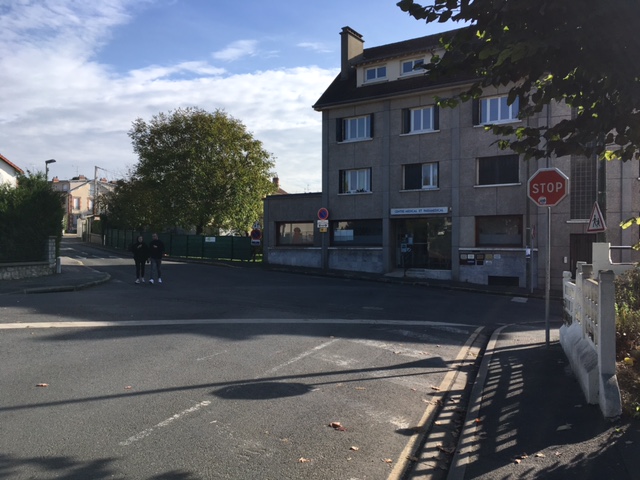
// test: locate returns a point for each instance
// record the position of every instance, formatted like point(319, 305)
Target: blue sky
point(76, 74)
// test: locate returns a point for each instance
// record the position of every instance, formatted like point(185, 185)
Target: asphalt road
point(226, 372)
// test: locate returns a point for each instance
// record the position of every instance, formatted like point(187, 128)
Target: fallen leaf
point(540, 455)
point(447, 450)
point(128, 387)
point(42, 385)
point(517, 460)
point(303, 460)
point(388, 460)
point(360, 388)
point(337, 426)
point(557, 454)
point(354, 448)
point(437, 389)
point(412, 458)
point(478, 420)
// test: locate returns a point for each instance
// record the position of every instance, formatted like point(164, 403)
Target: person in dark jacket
point(156, 249)
point(140, 252)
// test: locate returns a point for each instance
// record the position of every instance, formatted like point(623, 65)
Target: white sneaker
point(159, 280)
point(151, 281)
point(137, 280)
point(142, 279)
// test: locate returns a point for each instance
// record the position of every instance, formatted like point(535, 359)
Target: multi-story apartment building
point(81, 194)
point(409, 186)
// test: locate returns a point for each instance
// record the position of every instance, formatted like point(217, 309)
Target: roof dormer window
point(410, 67)
point(375, 74)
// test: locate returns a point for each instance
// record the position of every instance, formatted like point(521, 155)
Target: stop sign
point(547, 187)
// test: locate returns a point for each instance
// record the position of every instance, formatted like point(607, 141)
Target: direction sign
point(547, 187)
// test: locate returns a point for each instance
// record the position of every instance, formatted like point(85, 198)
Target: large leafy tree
point(30, 213)
point(200, 169)
point(585, 53)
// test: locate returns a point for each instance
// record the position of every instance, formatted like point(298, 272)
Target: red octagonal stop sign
point(547, 187)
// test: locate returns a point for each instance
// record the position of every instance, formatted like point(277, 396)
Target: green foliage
point(29, 215)
point(195, 169)
point(627, 287)
point(544, 51)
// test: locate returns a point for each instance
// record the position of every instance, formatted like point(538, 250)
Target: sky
point(75, 74)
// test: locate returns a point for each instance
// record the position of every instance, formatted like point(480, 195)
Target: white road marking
point(519, 299)
point(164, 423)
point(215, 321)
point(269, 373)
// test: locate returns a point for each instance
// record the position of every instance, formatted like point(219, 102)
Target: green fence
point(187, 246)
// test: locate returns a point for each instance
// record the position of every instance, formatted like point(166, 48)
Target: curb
point(68, 288)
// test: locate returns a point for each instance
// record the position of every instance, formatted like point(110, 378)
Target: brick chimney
point(352, 46)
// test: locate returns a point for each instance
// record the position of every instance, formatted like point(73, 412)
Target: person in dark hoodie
point(156, 249)
point(140, 252)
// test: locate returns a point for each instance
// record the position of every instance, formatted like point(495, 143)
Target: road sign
point(323, 214)
point(596, 221)
point(323, 223)
point(547, 187)
point(256, 234)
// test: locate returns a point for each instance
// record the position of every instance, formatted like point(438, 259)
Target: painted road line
point(223, 321)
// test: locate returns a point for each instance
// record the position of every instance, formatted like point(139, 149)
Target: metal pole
point(547, 293)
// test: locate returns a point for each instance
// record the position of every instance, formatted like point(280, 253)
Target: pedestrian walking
point(156, 249)
point(140, 252)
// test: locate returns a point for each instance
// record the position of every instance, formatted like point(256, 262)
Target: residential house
point(8, 171)
point(81, 194)
point(425, 191)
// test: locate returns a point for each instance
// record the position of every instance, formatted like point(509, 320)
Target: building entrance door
point(424, 243)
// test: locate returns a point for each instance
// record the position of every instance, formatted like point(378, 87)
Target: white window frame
point(379, 73)
point(411, 64)
point(76, 203)
point(418, 116)
point(430, 175)
point(356, 128)
point(356, 181)
point(496, 110)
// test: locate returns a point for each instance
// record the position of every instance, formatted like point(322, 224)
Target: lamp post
point(46, 167)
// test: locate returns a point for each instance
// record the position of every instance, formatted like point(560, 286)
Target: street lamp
point(46, 167)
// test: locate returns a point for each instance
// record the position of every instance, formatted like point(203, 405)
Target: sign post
point(546, 188)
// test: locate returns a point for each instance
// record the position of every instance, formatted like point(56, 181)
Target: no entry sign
point(547, 187)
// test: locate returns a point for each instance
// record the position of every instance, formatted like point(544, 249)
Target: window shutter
point(371, 126)
point(413, 176)
point(475, 111)
point(339, 132)
point(406, 120)
point(436, 117)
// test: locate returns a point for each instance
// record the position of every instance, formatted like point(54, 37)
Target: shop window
point(299, 234)
point(499, 231)
point(356, 233)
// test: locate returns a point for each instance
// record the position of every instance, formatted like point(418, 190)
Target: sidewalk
point(527, 418)
point(74, 276)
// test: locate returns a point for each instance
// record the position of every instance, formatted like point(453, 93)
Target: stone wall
point(16, 271)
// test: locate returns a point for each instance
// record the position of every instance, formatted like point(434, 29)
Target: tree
point(30, 213)
point(200, 169)
point(585, 53)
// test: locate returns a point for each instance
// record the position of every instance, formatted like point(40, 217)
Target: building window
point(354, 128)
point(76, 203)
point(495, 110)
point(421, 176)
point(90, 204)
point(584, 186)
point(355, 181)
point(409, 67)
point(375, 73)
point(499, 170)
point(298, 234)
point(419, 120)
point(357, 233)
point(499, 231)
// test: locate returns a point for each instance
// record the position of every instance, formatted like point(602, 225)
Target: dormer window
point(375, 74)
point(409, 67)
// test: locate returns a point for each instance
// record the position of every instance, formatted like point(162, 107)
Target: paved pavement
point(526, 418)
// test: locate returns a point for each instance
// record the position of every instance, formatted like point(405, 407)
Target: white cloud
point(58, 102)
point(237, 50)
point(315, 46)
